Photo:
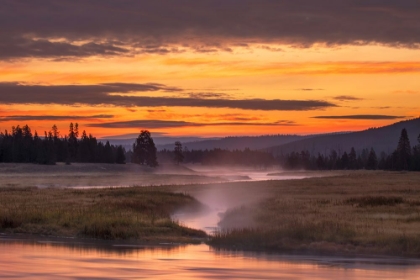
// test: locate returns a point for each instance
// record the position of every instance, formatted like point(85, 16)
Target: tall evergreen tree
point(72, 141)
point(372, 161)
point(403, 152)
point(353, 159)
point(178, 155)
point(120, 156)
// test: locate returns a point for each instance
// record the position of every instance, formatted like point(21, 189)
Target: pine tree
point(345, 161)
point(120, 157)
point(178, 155)
point(372, 161)
point(403, 152)
point(353, 159)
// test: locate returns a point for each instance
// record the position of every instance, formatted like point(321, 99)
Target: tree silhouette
point(21, 146)
point(120, 156)
point(372, 161)
point(144, 150)
point(178, 155)
point(403, 152)
point(353, 159)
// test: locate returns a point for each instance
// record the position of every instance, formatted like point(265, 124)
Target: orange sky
point(338, 86)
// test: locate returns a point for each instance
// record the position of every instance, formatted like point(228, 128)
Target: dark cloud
point(26, 47)
point(346, 98)
point(114, 27)
point(15, 93)
point(52, 118)
point(361, 117)
point(156, 124)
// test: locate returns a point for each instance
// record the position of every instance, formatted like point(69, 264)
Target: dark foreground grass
point(125, 213)
point(359, 212)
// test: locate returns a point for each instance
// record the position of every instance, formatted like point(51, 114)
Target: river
point(24, 259)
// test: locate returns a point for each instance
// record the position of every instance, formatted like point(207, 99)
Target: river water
point(69, 260)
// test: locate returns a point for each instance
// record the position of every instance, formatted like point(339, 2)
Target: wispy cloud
point(310, 89)
point(346, 98)
point(51, 118)
point(361, 117)
point(156, 124)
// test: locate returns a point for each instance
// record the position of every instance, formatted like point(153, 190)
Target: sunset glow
point(184, 76)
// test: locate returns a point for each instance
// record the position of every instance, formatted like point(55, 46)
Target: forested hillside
point(381, 139)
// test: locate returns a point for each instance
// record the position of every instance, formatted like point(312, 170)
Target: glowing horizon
point(187, 77)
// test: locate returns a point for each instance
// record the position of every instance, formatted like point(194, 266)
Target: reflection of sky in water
point(53, 261)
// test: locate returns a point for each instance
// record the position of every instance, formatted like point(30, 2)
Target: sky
point(209, 68)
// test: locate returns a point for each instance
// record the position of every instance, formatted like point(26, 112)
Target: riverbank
point(368, 212)
point(137, 213)
point(352, 212)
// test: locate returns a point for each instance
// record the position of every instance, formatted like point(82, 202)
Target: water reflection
point(72, 260)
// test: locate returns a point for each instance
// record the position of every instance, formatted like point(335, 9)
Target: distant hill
point(381, 139)
point(231, 143)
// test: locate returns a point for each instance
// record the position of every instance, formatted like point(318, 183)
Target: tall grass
point(126, 213)
point(370, 212)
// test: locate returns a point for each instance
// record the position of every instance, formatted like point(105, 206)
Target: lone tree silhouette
point(144, 150)
point(178, 154)
point(403, 151)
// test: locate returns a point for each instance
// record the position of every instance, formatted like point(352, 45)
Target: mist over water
point(219, 199)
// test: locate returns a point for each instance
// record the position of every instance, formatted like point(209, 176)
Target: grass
point(358, 212)
point(351, 212)
point(125, 213)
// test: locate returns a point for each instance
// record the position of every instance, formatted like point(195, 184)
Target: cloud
point(156, 111)
point(108, 94)
point(310, 89)
point(361, 117)
point(27, 47)
point(113, 27)
point(204, 95)
point(52, 118)
point(346, 98)
point(406, 92)
point(156, 124)
point(384, 107)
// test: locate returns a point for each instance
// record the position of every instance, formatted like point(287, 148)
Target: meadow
point(348, 212)
point(136, 213)
point(371, 212)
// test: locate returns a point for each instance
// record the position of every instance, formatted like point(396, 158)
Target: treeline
point(22, 146)
point(404, 157)
point(244, 157)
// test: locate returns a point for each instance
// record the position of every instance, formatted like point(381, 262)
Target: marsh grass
point(124, 213)
point(357, 212)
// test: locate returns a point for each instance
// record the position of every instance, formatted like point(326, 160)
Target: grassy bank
point(359, 212)
point(126, 213)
